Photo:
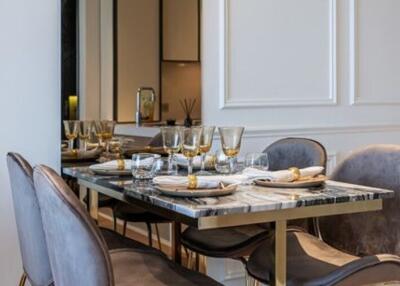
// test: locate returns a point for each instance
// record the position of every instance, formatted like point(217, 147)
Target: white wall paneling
point(30, 93)
point(289, 68)
point(374, 52)
point(312, 75)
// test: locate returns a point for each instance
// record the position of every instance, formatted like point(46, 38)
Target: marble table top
point(247, 198)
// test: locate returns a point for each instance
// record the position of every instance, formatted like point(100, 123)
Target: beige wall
point(180, 80)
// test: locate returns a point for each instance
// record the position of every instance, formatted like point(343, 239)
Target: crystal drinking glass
point(85, 127)
point(71, 128)
point(172, 144)
point(190, 144)
point(206, 138)
point(231, 138)
point(104, 130)
point(257, 161)
point(144, 165)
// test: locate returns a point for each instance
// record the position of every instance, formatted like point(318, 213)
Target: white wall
point(30, 104)
point(324, 69)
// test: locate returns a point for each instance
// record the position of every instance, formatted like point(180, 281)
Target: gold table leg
point(22, 281)
point(93, 204)
point(280, 253)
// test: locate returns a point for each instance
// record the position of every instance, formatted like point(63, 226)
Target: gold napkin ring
point(120, 164)
point(192, 182)
point(295, 172)
point(74, 153)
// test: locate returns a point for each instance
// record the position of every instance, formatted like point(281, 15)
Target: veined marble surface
point(246, 199)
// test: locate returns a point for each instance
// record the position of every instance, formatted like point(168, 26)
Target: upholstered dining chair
point(78, 254)
point(239, 242)
point(372, 232)
point(34, 254)
point(336, 261)
point(35, 260)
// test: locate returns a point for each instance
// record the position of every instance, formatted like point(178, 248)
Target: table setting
point(192, 171)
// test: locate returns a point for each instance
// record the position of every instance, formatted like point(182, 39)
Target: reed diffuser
point(188, 106)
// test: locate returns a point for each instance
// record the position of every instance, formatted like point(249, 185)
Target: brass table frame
point(279, 217)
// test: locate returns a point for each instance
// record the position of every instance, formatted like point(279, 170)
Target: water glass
point(223, 163)
point(143, 165)
point(206, 139)
point(162, 167)
point(257, 161)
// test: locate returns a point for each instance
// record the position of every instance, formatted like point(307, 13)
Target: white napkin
point(203, 182)
point(111, 165)
point(282, 175)
point(182, 161)
point(247, 177)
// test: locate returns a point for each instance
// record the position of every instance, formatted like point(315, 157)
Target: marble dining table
point(249, 204)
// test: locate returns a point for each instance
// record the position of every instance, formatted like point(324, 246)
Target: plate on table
point(111, 172)
point(301, 183)
point(181, 191)
point(80, 155)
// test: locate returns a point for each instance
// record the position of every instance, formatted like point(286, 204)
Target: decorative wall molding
point(224, 68)
point(267, 131)
point(355, 96)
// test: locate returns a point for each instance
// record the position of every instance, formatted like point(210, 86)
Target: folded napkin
point(111, 165)
point(203, 182)
point(282, 175)
point(183, 161)
point(246, 177)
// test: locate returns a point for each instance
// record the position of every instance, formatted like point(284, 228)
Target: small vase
point(188, 122)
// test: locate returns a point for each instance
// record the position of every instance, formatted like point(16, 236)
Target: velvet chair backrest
point(371, 232)
point(295, 152)
point(35, 259)
point(78, 253)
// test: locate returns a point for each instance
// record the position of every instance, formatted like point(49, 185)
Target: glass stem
point(203, 162)
point(231, 165)
point(107, 146)
point(170, 163)
point(84, 145)
point(71, 144)
point(190, 165)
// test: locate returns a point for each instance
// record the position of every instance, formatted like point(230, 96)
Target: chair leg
point(115, 222)
point(197, 263)
point(124, 229)
point(149, 234)
point(158, 237)
point(22, 281)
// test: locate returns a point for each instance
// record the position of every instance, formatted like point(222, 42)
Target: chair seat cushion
point(135, 267)
point(230, 242)
point(133, 213)
point(310, 261)
point(116, 241)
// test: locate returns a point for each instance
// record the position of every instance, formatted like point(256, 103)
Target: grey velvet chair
point(312, 261)
point(78, 253)
point(31, 237)
point(372, 232)
point(238, 242)
point(33, 247)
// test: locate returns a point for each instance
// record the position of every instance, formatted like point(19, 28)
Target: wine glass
point(104, 131)
point(85, 127)
point(71, 128)
point(190, 144)
point(231, 138)
point(206, 138)
point(108, 132)
point(172, 144)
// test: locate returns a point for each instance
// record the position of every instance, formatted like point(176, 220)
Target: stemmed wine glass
point(104, 131)
point(190, 144)
point(231, 138)
point(172, 144)
point(85, 127)
point(206, 138)
point(71, 128)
